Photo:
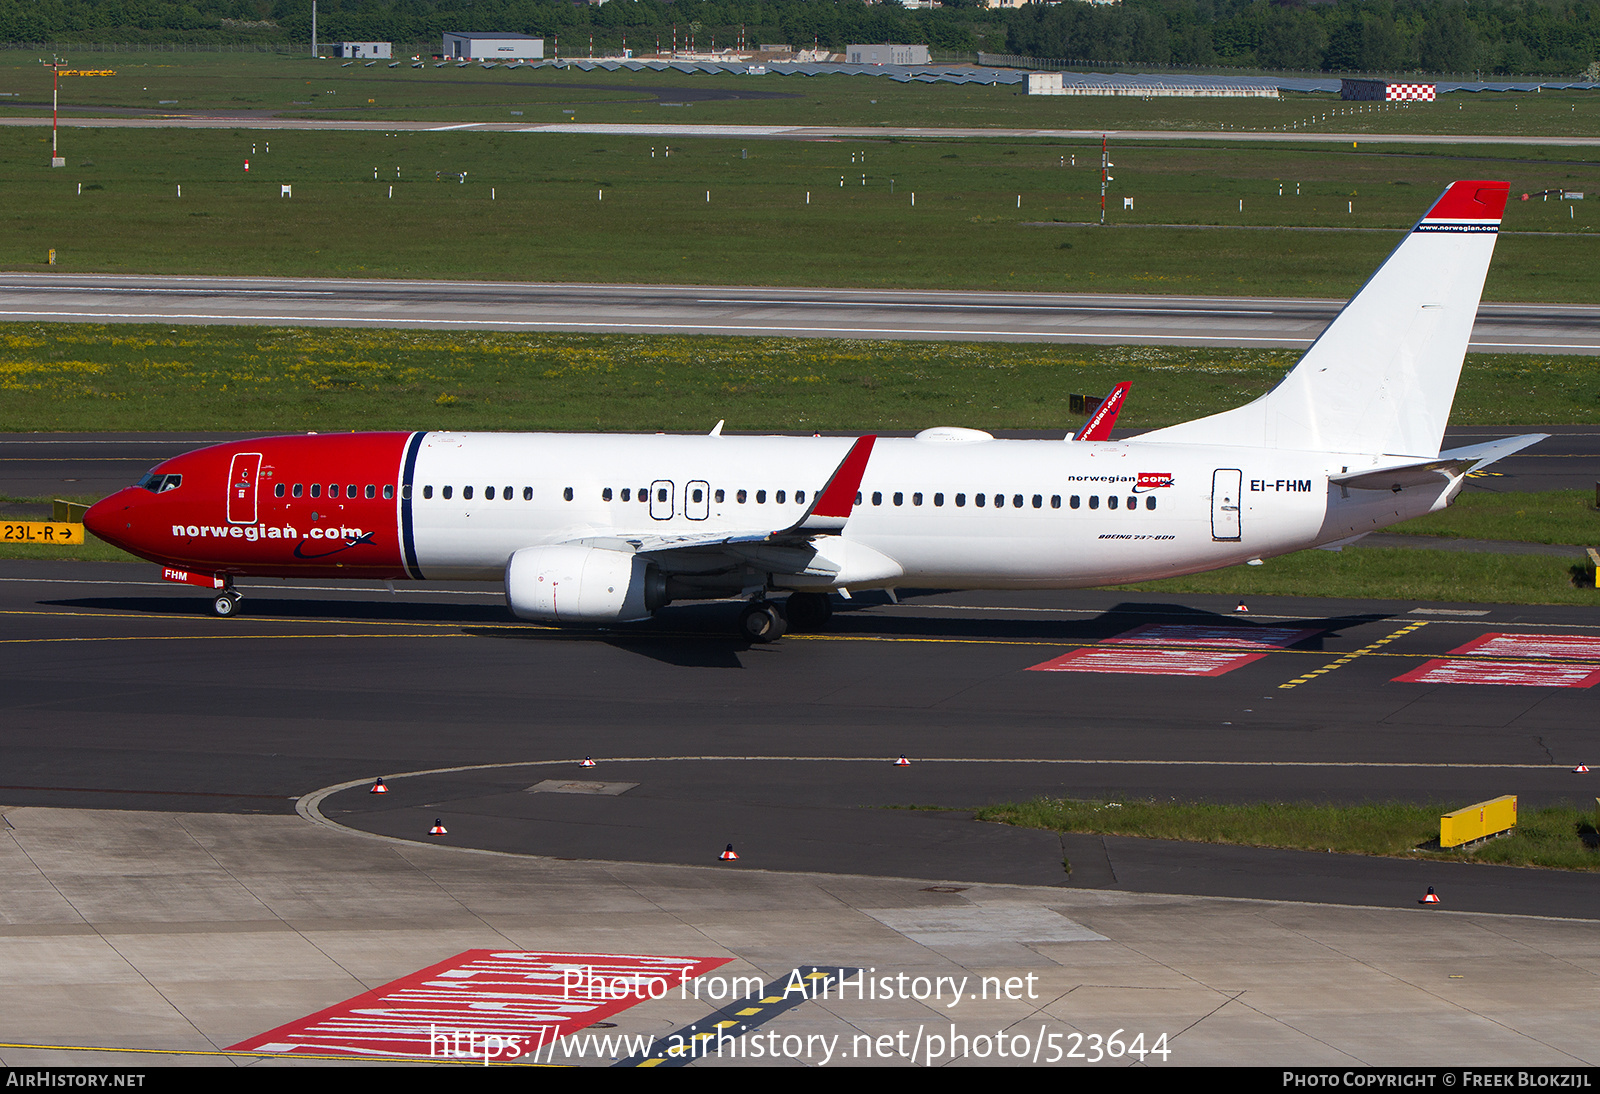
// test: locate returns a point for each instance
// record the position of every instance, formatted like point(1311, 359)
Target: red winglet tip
point(1471, 200)
point(839, 496)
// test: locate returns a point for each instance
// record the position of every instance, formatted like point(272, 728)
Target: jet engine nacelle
point(574, 584)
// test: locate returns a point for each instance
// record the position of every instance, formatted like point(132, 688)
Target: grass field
point(1555, 516)
point(141, 377)
point(294, 86)
point(1316, 220)
point(1561, 836)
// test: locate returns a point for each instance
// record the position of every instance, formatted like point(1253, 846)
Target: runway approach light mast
point(56, 159)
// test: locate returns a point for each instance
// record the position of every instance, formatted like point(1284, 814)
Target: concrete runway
point(223, 119)
point(823, 313)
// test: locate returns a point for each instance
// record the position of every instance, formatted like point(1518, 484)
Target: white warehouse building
point(889, 53)
point(472, 46)
point(366, 50)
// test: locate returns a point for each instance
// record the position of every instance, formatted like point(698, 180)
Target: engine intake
point(574, 584)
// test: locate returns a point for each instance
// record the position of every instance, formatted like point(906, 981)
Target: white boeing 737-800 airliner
point(605, 528)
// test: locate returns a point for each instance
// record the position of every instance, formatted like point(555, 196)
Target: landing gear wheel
point(761, 622)
point(226, 604)
point(808, 611)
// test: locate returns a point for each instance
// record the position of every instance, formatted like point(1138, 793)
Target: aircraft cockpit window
point(160, 484)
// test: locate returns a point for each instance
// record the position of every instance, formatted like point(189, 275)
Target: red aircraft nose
point(105, 518)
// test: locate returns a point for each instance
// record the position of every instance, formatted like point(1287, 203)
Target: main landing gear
point(762, 621)
point(226, 604)
point(767, 620)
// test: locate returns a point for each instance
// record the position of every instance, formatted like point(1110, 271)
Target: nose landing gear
point(225, 604)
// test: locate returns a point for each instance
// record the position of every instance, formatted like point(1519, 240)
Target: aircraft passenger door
point(1226, 484)
point(242, 484)
point(661, 499)
point(697, 500)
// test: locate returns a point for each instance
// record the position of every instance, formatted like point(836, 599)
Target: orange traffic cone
point(438, 829)
point(729, 855)
point(378, 787)
point(902, 761)
point(1431, 897)
point(1241, 607)
point(587, 762)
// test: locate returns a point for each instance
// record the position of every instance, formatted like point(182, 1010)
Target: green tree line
point(1494, 37)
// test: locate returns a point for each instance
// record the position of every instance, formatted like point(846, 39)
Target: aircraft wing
point(1457, 461)
point(785, 548)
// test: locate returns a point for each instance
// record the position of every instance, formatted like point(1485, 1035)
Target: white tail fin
point(1382, 377)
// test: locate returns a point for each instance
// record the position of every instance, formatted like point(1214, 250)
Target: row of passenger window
point(1018, 501)
point(353, 490)
point(998, 501)
point(506, 493)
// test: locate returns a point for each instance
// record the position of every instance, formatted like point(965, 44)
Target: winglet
point(834, 502)
point(1098, 427)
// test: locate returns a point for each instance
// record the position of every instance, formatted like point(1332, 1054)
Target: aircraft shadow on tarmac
point(701, 635)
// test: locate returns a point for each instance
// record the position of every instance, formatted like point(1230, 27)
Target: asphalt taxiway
point(123, 693)
point(193, 855)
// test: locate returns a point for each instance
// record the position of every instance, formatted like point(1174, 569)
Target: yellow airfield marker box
point(1477, 821)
